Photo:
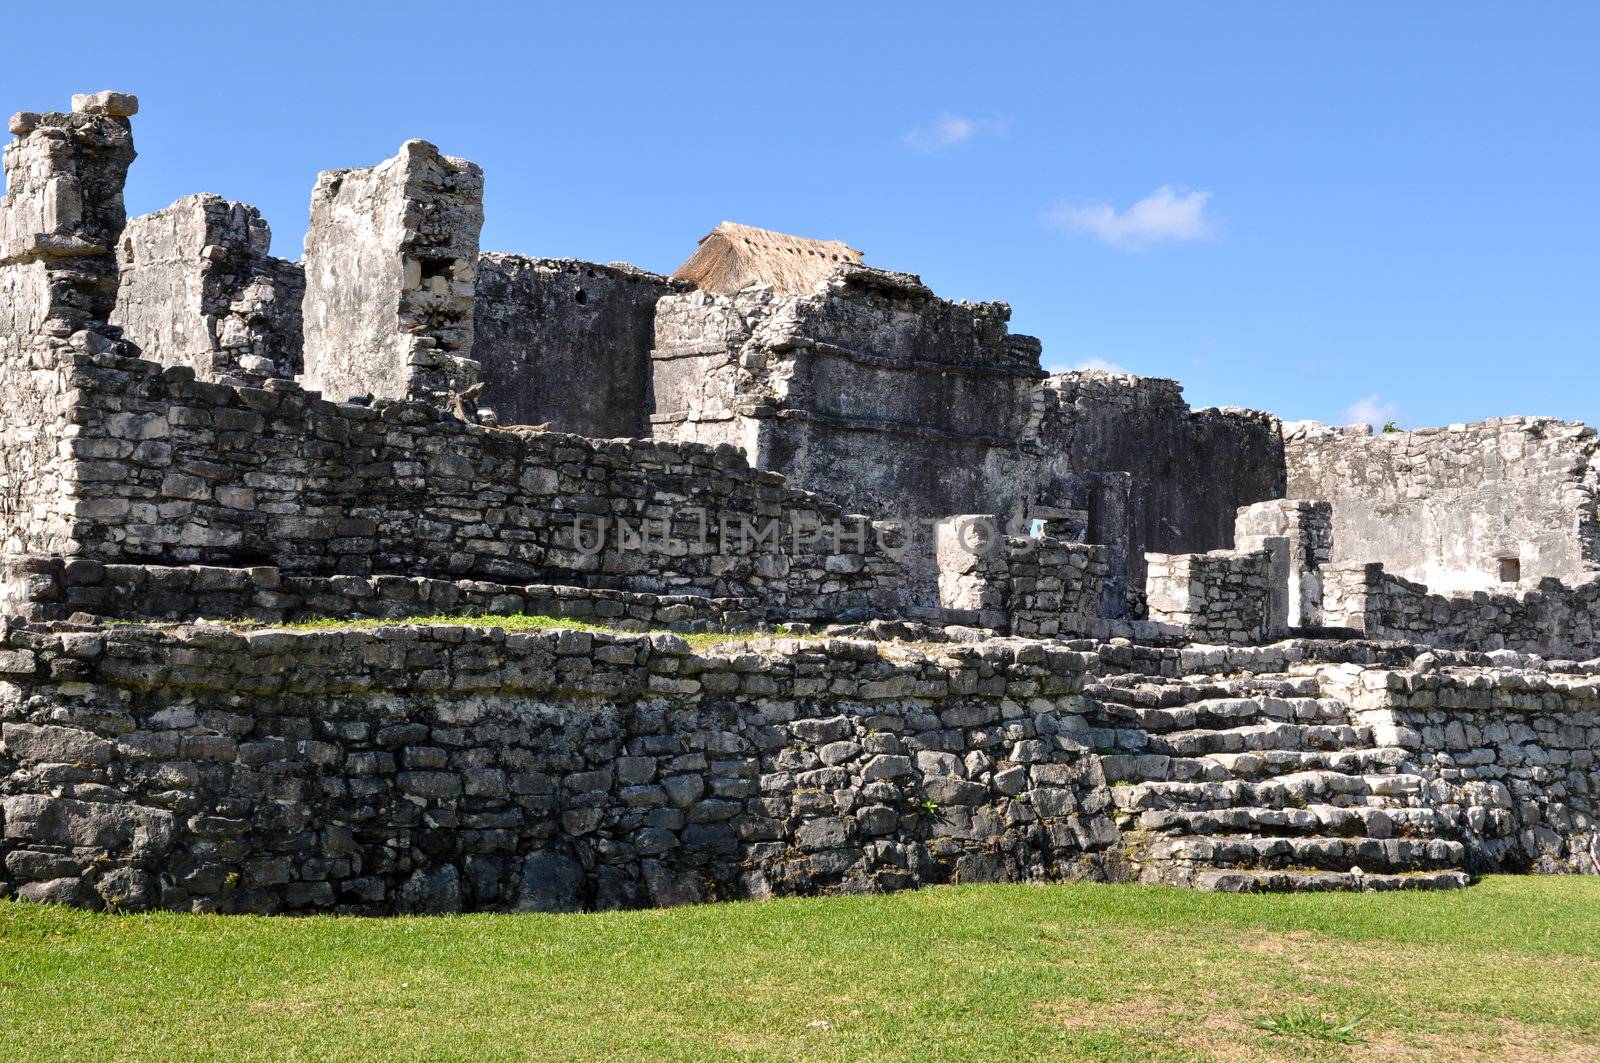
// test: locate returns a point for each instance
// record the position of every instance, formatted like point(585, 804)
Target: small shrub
point(1301, 1022)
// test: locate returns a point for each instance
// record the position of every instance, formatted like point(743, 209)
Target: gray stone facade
point(1188, 471)
point(566, 344)
point(1418, 501)
point(869, 389)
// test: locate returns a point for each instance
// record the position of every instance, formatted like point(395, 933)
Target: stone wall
point(1547, 618)
point(169, 470)
point(871, 390)
point(197, 287)
point(56, 588)
point(1463, 508)
point(59, 223)
point(1190, 470)
point(443, 769)
point(1032, 586)
point(391, 260)
point(566, 343)
point(1508, 755)
point(1235, 596)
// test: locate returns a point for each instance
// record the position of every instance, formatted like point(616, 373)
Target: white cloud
point(1169, 214)
point(1103, 366)
point(950, 130)
point(1371, 410)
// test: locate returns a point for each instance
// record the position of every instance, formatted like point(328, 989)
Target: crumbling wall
point(443, 769)
point(1190, 470)
point(58, 225)
point(566, 343)
point(1547, 618)
point(1229, 596)
point(391, 259)
point(1463, 508)
point(185, 471)
point(871, 390)
point(197, 287)
point(1032, 586)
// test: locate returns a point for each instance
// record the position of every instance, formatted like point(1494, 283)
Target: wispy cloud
point(1168, 215)
point(950, 130)
point(1373, 410)
point(1103, 366)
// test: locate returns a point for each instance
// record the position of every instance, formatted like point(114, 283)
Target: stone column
point(59, 224)
point(390, 263)
point(60, 219)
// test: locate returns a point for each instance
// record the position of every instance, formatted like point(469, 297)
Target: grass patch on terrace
point(509, 622)
point(1508, 970)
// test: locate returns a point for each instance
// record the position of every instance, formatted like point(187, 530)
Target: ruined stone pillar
point(1111, 526)
point(59, 223)
point(1308, 526)
point(197, 287)
point(60, 219)
point(974, 569)
point(390, 265)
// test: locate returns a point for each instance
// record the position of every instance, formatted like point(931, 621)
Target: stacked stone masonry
point(1038, 586)
point(446, 769)
point(1233, 596)
point(1548, 618)
point(169, 469)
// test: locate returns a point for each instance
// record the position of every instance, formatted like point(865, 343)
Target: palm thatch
point(732, 257)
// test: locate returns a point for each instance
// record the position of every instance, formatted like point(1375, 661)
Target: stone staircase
point(1262, 783)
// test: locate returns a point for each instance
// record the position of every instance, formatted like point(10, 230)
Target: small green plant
point(927, 806)
point(1392, 426)
point(1305, 1024)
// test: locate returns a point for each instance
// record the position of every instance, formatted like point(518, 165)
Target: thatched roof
point(732, 257)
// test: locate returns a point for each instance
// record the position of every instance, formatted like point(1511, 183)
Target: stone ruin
point(978, 622)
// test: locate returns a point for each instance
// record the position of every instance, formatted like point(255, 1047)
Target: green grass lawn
point(1507, 970)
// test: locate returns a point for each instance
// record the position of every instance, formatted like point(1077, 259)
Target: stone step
point(1269, 763)
point(1328, 821)
point(1380, 855)
point(1253, 766)
point(1245, 881)
point(1304, 737)
point(1141, 692)
point(1219, 713)
point(1297, 790)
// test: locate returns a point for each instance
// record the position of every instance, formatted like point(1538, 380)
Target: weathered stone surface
point(1463, 508)
point(197, 287)
point(390, 264)
point(566, 344)
point(477, 770)
point(868, 388)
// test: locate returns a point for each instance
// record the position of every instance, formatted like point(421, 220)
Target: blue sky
point(1301, 208)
